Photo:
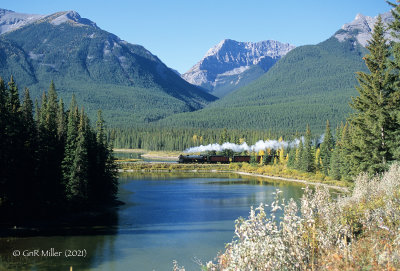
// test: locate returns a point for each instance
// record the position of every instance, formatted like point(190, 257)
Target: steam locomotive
point(213, 159)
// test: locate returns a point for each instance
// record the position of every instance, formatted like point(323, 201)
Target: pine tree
point(223, 137)
point(317, 160)
point(291, 158)
point(106, 184)
point(14, 148)
point(13, 98)
point(371, 122)
point(42, 162)
point(299, 156)
point(70, 148)
point(345, 152)
point(326, 149)
point(307, 157)
point(394, 99)
point(4, 140)
point(335, 162)
point(61, 122)
point(28, 160)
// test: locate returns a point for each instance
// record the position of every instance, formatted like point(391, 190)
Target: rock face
point(224, 63)
point(10, 20)
point(70, 17)
point(361, 28)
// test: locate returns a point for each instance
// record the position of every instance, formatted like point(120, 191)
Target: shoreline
point(130, 150)
point(305, 182)
point(341, 188)
point(159, 157)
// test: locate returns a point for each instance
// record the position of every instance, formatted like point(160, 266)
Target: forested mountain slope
point(126, 81)
point(309, 85)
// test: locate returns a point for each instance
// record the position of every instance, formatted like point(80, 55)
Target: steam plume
point(260, 145)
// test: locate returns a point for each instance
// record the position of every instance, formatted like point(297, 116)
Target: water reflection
point(93, 236)
point(165, 217)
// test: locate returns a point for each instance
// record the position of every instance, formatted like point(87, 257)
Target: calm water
point(185, 217)
point(135, 155)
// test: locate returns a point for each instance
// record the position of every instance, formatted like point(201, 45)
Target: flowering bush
point(346, 233)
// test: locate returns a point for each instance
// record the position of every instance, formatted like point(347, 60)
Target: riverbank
point(305, 182)
point(156, 155)
point(242, 169)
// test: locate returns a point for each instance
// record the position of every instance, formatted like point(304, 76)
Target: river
point(185, 217)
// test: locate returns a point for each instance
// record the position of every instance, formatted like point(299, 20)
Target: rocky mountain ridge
point(361, 28)
point(10, 20)
point(224, 63)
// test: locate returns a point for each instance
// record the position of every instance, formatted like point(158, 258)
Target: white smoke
point(321, 139)
point(260, 145)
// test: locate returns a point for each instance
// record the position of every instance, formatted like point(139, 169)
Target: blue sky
point(180, 32)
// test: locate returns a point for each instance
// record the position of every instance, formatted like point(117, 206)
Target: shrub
point(359, 230)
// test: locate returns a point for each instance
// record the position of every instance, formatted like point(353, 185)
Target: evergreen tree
point(4, 140)
point(307, 157)
point(78, 183)
point(335, 162)
point(394, 99)
point(51, 149)
point(106, 185)
point(326, 149)
point(372, 123)
point(14, 148)
point(223, 137)
point(70, 148)
point(317, 161)
point(345, 151)
point(42, 162)
point(299, 155)
point(43, 112)
point(13, 98)
point(61, 122)
point(292, 158)
point(29, 159)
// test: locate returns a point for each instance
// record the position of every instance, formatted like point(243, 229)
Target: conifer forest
point(56, 156)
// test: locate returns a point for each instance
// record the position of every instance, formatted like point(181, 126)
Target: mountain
point(232, 64)
point(126, 81)
point(10, 20)
point(361, 28)
point(310, 84)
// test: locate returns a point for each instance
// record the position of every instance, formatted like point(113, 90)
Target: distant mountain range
point(232, 64)
point(263, 85)
point(126, 81)
point(310, 84)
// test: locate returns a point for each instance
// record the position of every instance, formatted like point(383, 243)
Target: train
point(213, 159)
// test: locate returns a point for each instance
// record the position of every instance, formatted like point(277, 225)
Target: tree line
point(369, 141)
point(179, 139)
point(51, 158)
